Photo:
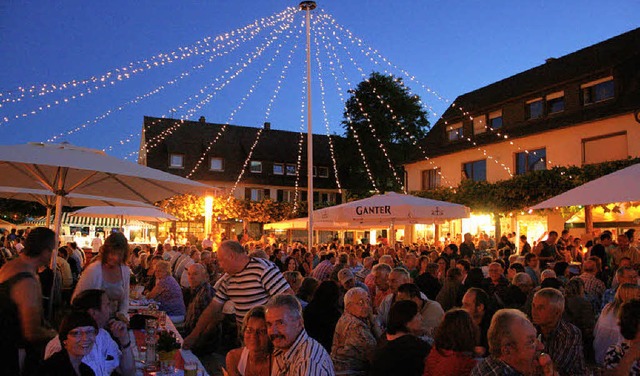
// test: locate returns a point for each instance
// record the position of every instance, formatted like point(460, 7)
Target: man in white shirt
point(96, 243)
point(106, 355)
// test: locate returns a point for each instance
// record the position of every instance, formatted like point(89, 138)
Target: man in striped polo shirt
point(247, 282)
point(295, 354)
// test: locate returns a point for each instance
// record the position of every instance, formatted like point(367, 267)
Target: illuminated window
point(256, 167)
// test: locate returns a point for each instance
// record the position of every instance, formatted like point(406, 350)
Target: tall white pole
point(308, 6)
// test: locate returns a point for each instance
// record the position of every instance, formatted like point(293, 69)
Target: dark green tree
point(382, 114)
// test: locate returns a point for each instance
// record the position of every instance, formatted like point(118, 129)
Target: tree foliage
point(372, 113)
point(523, 191)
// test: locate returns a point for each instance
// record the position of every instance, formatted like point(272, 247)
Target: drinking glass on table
point(190, 368)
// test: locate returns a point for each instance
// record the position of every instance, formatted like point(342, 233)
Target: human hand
point(546, 364)
point(119, 330)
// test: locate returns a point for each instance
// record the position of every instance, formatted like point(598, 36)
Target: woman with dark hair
point(254, 358)
point(624, 358)
point(78, 332)
point(454, 342)
point(403, 353)
point(307, 289)
point(110, 273)
point(322, 313)
point(474, 278)
point(443, 266)
point(291, 264)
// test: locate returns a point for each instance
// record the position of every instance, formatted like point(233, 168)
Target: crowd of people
point(477, 307)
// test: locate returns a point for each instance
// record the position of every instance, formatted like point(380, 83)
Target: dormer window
point(534, 109)
point(597, 91)
point(495, 119)
point(455, 132)
point(479, 124)
point(555, 102)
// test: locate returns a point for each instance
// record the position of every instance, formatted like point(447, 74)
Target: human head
point(575, 287)
point(294, 278)
point(77, 333)
point(630, 320)
point(40, 242)
point(547, 273)
point(404, 318)
point(457, 332)
point(547, 307)
point(514, 269)
point(531, 260)
point(346, 278)
point(625, 293)
point(464, 266)
point(627, 275)
point(197, 275)
point(386, 259)
point(308, 288)
point(291, 264)
point(356, 302)
point(590, 267)
point(284, 320)
point(397, 277)
point(623, 241)
point(553, 237)
point(254, 330)
point(163, 269)
point(476, 302)
point(512, 339)
point(115, 250)
point(96, 303)
point(495, 271)
point(454, 275)
point(523, 282)
point(605, 239)
point(232, 256)
point(381, 276)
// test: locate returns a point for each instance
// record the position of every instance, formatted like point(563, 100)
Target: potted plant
point(167, 346)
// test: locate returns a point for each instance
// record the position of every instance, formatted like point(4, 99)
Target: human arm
point(210, 317)
point(619, 362)
point(30, 310)
point(123, 309)
point(119, 330)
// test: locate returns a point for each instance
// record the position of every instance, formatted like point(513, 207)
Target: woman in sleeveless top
point(254, 358)
point(110, 273)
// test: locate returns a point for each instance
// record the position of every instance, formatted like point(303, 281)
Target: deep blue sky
point(452, 47)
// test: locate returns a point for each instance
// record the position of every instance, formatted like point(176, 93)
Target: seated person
point(454, 344)
point(254, 358)
point(78, 335)
point(403, 353)
point(106, 355)
point(624, 357)
point(167, 292)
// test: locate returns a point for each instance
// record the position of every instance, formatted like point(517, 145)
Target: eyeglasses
point(360, 302)
point(77, 333)
point(251, 331)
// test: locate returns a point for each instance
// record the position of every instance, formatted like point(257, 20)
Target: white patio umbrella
point(620, 186)
point(391, 209)
point(63, 169)
point(48, 199)
point(147, 214)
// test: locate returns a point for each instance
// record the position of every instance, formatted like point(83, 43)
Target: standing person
point(295, 352)
point(21, 315)
point(467, 248)
point(525, 247)
point(254, 358)
point(110, 273)
point(244, 276)
point(546, 249)
point(96, 243)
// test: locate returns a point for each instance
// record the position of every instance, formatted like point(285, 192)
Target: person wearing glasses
point(254, 358)
point(78, 332)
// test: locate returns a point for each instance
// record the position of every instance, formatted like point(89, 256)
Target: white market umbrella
point(620, 186)
point(391, 209)
point(48, 199)
point(63, 169)
point(147, 214)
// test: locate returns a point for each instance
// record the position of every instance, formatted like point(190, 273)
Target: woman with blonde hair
point(110, 273)
point(254, 358)
point(607, 330)
point(167, 292)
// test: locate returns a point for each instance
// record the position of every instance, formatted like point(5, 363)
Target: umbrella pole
point(56, 223)
point(48, 217)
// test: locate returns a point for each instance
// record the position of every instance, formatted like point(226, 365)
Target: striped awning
point(71, 220)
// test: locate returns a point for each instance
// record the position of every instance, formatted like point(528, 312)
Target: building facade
point(578, 109)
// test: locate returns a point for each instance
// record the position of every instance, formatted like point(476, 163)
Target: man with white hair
point(380, 287)
point(562, 340)
point(593, 287)
point(514, 348)
point(355, 335)
point(295, 352)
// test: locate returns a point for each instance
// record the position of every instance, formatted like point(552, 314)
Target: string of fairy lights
point(129, 70)
point(220, 50)
point(303, 106)
point(413, 139)
point(283, 75)
point(364, 113)
point(370, 52)
point(248, 59)
point(365, 163)
point(233, 113)
point(325, 113)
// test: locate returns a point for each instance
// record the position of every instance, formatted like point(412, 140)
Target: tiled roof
point(234, 144)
